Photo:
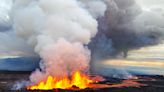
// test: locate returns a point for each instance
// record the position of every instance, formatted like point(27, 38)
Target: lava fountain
point(79, 80)
point(59, 32)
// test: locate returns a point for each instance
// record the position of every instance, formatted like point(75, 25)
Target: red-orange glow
point(78, 80)
point(81, 81)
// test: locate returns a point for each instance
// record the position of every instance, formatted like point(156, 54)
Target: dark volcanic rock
point(154, 84)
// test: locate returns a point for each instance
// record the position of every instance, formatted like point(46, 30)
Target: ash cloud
point(128, 26)
point(125, 25)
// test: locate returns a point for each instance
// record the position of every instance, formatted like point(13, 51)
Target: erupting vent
point(78, 80)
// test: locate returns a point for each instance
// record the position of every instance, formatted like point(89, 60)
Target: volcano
point(79, 81)
point(140, 83)
point(72, 38)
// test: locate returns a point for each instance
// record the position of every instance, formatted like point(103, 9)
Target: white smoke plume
point(58, 31)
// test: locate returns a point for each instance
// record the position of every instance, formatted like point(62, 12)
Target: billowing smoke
point(59, 30)
point(126, 26)
point(11, 44)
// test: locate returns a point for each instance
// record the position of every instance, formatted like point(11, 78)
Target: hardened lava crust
point(143, 83)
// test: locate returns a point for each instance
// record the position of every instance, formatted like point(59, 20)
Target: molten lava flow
point(78, 80)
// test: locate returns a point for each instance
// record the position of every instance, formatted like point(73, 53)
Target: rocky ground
point(148, 84)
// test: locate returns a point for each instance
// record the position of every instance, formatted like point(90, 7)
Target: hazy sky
point(10, 44)
point(150, 3)
point(158, 5)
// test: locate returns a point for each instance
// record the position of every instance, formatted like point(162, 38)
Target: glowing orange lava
point(78, 80)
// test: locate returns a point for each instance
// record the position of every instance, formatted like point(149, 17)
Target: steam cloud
point(58, 30)
point(61, 30)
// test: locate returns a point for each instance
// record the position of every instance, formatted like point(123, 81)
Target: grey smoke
point(19, 85)
point(128, 26)
point(5, 7)
point(12, 45)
